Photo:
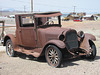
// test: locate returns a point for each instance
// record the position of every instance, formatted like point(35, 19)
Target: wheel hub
point(9, 48)
point(53, 56)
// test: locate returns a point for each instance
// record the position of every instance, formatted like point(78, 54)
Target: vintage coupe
point(41, 34)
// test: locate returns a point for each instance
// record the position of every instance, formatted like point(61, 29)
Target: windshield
point(48, 21)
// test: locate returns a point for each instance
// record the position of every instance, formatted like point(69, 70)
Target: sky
point(89, 6)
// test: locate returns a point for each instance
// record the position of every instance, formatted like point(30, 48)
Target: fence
point(6, 29)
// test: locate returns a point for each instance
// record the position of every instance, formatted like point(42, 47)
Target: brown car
point(41, 34)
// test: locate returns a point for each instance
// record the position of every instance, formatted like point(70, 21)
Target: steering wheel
point(51, 22)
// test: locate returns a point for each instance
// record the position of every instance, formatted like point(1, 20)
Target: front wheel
point(9, 48)
point(53, 56)
point(92, 55)
point(92, 47)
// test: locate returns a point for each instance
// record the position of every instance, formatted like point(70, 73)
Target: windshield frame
point(49, 25)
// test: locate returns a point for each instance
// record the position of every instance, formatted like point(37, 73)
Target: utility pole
point(31, 5)
point(1, 11)
point(74, 8)
point(24, 9)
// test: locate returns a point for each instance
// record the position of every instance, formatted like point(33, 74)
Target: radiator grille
point(71, 40)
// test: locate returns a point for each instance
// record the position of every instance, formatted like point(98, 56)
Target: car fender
point(13, 39)
point(85, 43)
point(58, 43)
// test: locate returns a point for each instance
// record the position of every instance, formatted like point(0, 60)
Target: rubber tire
point(59, 55)
point(93, 55)
point(13, 53)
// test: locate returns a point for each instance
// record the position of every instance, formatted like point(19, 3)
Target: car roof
point(47, 12)
point(41, 14)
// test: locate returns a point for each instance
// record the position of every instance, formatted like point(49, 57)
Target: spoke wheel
point(9, 48)
point(53, 56)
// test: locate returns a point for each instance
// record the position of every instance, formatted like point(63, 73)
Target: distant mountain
point(9, 9)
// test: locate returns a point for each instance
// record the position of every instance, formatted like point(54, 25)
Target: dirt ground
point(25, 65)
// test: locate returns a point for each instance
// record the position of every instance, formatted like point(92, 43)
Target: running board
point(34, 52)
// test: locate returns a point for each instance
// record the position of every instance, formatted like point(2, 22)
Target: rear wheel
point(9, 48)
point(53, 56)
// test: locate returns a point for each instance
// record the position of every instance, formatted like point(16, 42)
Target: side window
point(39, 21)
point(26, 21)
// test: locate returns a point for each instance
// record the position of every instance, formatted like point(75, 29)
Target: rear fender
point(13, 39)
point(85, 43)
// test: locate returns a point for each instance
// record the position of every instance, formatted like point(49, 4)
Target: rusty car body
point(41, 34)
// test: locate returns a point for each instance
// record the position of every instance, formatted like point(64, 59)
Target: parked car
point(41, 34)
point(65, 19)
point(77, 20)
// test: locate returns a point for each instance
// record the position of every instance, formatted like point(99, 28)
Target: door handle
point(19, 30)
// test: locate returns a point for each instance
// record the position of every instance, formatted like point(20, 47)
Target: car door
point(27, 32)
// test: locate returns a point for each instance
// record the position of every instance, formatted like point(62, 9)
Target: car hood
point(50, 33)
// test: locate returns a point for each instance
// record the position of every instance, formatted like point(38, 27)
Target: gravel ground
point(25, 65)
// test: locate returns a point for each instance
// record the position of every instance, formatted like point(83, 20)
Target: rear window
point(26, 21)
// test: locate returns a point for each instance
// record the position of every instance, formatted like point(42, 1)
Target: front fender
point(13, 39)
point(58, 43)
point(85, 43)
point(90, 36)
